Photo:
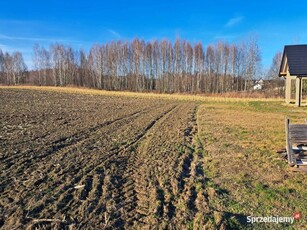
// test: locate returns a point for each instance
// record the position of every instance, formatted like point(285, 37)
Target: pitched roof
point(296, 58)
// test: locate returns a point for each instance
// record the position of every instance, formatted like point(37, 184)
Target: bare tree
point(156, 65)
point(276, 83)
point(274, 69)
point(253, 60)
point(46, 66)
point(187, 67)
point(83, 69)
point(139, 66)
point(136, 60)
point(8, 68)
point(37, 62)
point(211, 65)
point(19, 68)
point(233, 59)
point(226, 53)
point(2, 80)
point(199, 66)
point(96, 65)
point(14, 68)
point(57, 54)
point(42, 65)
point(178, 64)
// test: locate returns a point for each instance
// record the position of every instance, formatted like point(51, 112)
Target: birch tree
point(2, 80)
point(19, 68)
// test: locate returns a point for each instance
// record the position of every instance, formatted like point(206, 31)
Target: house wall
point(288, 87)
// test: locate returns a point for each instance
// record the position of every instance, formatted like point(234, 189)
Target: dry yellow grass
point(240, 142)
point(183, 97)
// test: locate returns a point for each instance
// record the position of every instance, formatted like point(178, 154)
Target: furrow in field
point(127, 200)
point(67, 141)
point(63, 198)
point(147, 187)
point(57, 150)
point(165, 181)
point(134, 167)
point(121, 187)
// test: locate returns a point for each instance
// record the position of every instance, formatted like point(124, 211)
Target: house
point(258, 85)
point(294, 67)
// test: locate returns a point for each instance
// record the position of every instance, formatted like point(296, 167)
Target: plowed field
point(93, 162)
point(88, 159)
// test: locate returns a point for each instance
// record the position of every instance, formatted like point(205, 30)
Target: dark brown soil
point(71, 161)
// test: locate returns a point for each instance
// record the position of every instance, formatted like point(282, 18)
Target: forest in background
point(158, 66)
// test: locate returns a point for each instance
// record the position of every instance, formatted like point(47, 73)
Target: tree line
point(13, 69)
point(161, 66)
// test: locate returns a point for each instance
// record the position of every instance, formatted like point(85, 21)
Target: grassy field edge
point(183, 97)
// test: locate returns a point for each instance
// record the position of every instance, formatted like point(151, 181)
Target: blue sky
point(83, 23)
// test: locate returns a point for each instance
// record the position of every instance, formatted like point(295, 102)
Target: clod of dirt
point(218, 217)
point(211, 192)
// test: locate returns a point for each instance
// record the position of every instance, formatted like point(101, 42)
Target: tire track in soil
point(159, 204)
point(62, 146)
point(36, 183)
point(69, 140)
point(147, 189)
point(122, 182)
point(196, 200)
point(53, 111)
point(67, 200)
point(140, 183)
point(185, 170)
point(188, 177)
point(118, 180)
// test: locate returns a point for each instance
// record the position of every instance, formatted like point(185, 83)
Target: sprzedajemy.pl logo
point(273, 219)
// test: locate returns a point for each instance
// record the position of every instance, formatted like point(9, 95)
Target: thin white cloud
point(37, 39)
point(13, 21)
point(234, 21)
point(3, 47)
point(6, 37)
point(11, 49)
point(113, 32)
